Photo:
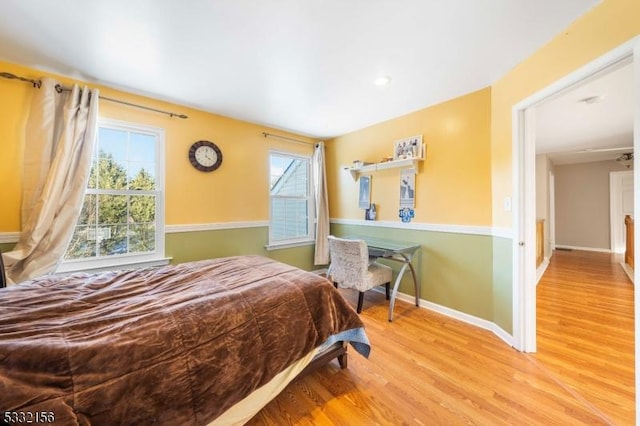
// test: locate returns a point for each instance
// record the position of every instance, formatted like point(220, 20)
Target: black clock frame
point(194, 161)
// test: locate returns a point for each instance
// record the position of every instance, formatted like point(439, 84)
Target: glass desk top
point(384, 247)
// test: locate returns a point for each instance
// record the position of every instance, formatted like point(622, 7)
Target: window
point(122, 218)
point(292, 208)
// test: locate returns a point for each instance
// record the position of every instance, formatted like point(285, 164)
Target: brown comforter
point(175, 345)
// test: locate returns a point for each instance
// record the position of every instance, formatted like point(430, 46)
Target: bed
point(207, 342)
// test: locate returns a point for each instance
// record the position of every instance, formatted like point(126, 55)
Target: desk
point(398, 251)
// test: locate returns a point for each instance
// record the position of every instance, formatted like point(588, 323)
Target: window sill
point(126, 264)
point(271, 247)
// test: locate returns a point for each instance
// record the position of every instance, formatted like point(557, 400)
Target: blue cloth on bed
point(356, 337)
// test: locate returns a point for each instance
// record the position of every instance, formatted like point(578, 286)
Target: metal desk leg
point(396, 284)
point(416, 287)
point(406, 260)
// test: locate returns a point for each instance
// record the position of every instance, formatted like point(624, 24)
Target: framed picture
point(365, 192)
point(408, 148)
point(407, 188)
point(370, 213)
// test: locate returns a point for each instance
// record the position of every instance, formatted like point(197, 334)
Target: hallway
point(585, 331)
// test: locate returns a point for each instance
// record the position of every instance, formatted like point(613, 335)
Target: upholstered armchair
point(351, 267)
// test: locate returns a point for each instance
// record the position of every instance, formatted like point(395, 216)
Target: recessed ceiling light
point(383, 80)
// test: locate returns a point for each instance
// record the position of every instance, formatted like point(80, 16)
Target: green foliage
point(112, 224)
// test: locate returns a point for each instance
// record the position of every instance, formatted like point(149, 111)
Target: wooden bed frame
point(337, 350)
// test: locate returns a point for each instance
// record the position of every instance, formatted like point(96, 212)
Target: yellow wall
point(453, 185)
point(237, 191)
point(14, 102)
point(600, 30)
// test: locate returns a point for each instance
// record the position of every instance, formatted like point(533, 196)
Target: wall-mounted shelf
point(394, 164)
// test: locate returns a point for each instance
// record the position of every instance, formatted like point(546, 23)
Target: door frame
point(552, 213)
point(523, 175)
point(615, 207)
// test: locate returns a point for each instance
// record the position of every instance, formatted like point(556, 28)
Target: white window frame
point(310, 237)
point(130, 261)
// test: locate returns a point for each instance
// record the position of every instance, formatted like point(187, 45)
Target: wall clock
point(205, 156)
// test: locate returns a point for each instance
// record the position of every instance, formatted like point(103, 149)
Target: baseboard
point(628, 270)
point(460, 316)
point(565, 247)
point(541, 269)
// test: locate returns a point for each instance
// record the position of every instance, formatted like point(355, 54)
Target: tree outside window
point(119, 212)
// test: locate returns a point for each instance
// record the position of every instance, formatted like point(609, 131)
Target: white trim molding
point(629, 271)
point(502, 232)
point(418, 226)
point(461, 316)
point(9, 237)
point(197, 227)
point(541, 269)
point(289, 245)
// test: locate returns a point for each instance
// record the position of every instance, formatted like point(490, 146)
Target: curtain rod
point(286, 138)
point(59, 88)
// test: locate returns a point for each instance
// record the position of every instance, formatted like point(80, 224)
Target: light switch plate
point(507, 204)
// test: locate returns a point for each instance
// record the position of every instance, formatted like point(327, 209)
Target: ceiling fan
point(588, 150)
point(593, 150)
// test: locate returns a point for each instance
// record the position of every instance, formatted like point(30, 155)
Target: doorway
point(524, 221)
point(524, 215)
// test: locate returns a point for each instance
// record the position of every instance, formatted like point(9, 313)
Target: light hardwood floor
point(428, 369)
point(585, 331)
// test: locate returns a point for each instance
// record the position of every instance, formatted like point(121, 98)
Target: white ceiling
point(571, 130)
point(296, 65)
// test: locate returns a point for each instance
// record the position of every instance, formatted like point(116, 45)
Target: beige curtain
point(59, 140)
point(322, 206)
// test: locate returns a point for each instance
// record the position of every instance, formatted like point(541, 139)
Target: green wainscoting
point(502, 283)
point(455, 270)
point(197, 245)
point(5, 247)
